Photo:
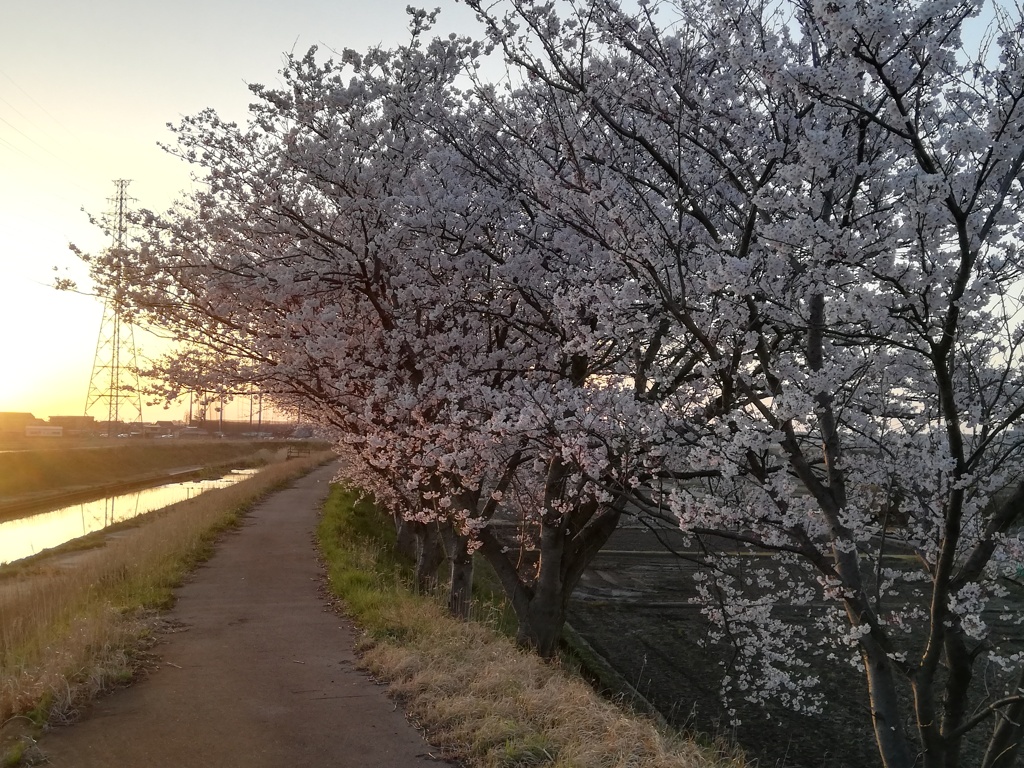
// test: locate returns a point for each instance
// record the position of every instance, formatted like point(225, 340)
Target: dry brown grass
point(480, 698)
point(78, 623)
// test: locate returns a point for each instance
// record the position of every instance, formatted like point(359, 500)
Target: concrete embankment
point(39, 502)
point(635, 609)
point(23, 472)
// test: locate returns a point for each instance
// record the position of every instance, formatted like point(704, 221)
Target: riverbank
point(34, 480)
point(481, 700)
point(75, 624)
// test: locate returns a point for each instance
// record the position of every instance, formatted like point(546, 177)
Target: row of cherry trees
point(749, 268)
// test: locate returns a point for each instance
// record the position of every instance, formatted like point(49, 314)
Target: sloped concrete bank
point(633, 609)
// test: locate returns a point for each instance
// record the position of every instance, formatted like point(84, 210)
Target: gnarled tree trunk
point(568, 543)
point(405, 536)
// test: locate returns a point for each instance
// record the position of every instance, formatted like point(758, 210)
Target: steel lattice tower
point(115, 379)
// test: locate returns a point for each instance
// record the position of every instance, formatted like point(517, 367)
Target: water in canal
point(26, 536)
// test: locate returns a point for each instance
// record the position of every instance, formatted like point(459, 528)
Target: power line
point(42, 109)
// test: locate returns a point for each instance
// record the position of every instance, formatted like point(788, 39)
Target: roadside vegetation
point(76, 624)
point(481, 699)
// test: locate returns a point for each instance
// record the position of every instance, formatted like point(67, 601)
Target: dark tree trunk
point(959, 673)
point(893, 745)
point(405, 537)
point(540, 626)
point(460, 559)
point(540, 603)
point(429, 556)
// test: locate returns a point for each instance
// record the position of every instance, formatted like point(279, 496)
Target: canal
point(30, 535)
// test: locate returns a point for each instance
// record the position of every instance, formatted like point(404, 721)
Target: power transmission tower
point(114, 382)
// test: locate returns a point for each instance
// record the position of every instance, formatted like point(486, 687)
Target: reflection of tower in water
point(115, 379)
point(133, 510)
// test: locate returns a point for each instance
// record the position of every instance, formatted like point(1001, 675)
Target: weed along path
point(259, 672)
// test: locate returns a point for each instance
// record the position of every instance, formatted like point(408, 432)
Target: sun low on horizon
point(86, 94)
point(48, 337)
point(46, 360)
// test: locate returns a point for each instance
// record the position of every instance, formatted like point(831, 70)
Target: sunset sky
point(86, 90)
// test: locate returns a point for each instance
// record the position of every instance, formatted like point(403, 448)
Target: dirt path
point(261, 673)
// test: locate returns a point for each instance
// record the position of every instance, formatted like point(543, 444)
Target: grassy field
point(481, 699)
point(54, 469)
point(71, 629)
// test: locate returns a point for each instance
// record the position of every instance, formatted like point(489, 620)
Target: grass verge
point(480, 699)
point(81, 623)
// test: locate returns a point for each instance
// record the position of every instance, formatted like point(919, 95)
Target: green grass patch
point(14, 755)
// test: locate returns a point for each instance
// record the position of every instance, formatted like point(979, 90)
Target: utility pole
point(114, 381)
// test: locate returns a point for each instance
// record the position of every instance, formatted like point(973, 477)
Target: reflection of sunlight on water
point(28, 535)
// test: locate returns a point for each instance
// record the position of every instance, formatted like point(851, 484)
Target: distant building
point(74, 425)
point(13, 424)
point(44, 431)
point(159, 429)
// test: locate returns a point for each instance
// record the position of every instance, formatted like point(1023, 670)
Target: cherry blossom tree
point(558, 314)
point(291, 270)
point(825, 198)
point(752, 267)
point(354, 252)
